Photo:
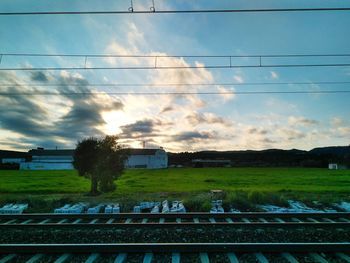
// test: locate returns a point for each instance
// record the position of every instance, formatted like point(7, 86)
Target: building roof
point(141, 151)
point(42, 152)
point(70, 152)
point(12, 154)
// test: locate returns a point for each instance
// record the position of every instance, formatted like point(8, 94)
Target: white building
point(12, 157)
point(333, 166)
point(49, 160)
point(336, 166)
point(13, 160)
point(147, 158)
point(62, 159)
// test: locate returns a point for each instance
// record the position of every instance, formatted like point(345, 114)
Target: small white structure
point(147, 158)
point(49, 160)
point(333, 166)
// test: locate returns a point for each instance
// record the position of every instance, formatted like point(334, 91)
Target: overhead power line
point(170, 93)
point(153, 10)
point(159, 62)
point(176, 67)
point(173, 56)
point(172, 84)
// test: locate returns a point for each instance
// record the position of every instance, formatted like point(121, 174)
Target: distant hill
point(318, 157)
point(336, 150)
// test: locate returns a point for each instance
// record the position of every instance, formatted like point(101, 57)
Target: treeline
point(318, 157)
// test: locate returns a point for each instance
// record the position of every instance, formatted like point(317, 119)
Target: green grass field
point(254, 184)
point(184, 180)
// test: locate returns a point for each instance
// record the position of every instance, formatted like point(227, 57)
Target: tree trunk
point(93, 190)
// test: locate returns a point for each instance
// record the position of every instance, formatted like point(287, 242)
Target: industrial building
point(147, 158)
point(43, 159)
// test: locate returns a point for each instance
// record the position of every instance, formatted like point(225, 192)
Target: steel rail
point(155, 225)
point(199, 215)
point(174, 247)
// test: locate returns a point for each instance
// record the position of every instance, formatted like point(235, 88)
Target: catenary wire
point(171, 93)
point(156, 11)
point(227, 63)
point(172, 84)
point(172, 56)
point(174, 67)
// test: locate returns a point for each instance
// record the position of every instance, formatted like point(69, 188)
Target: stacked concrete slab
point(112, 209)
point(13, 208)
point(71, 209)
point(216, 207)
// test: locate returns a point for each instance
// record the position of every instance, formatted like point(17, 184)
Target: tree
point(101, 160)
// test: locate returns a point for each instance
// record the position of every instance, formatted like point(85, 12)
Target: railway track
point(221, 252)
point(124, 220)
point(177, 252)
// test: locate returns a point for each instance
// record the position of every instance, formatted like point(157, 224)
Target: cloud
point(238, 78)
point(274, 75)
point(344, 131)
point(192, 136)
point(166, 109)
point(21, 114)
point(39, 76)
point(301, 121)
point(336, 122)
point(268, 141)
point(226, 94)
point(144, 126)
point(257, 131)
point(206, 118)
point(56, 120)
point(291, 134)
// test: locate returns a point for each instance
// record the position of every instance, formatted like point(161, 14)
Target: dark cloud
point(191, 135)
point(257, 131)
point(28, 115)
point(21, 114)
point(199, 118)
point(268, 141)
point(16, 123)
point(302, 121)
point(138, 129)
point(144, 129)
point(85, 114)
point(166, 109)
point(293, 134)
point(39, 76)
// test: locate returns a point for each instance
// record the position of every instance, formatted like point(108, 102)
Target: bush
point(237, 200)
point(198, 203)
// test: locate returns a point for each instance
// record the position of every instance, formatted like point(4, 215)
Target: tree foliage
point(101, 160)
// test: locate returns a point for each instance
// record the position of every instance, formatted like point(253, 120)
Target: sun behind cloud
point(115, 119)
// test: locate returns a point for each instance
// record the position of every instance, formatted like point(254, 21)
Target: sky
point(176, 122)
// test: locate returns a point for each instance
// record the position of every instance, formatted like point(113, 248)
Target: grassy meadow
point(255, 185)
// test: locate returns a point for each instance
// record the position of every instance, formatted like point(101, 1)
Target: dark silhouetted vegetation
point(317, 158)
point(101, 160)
